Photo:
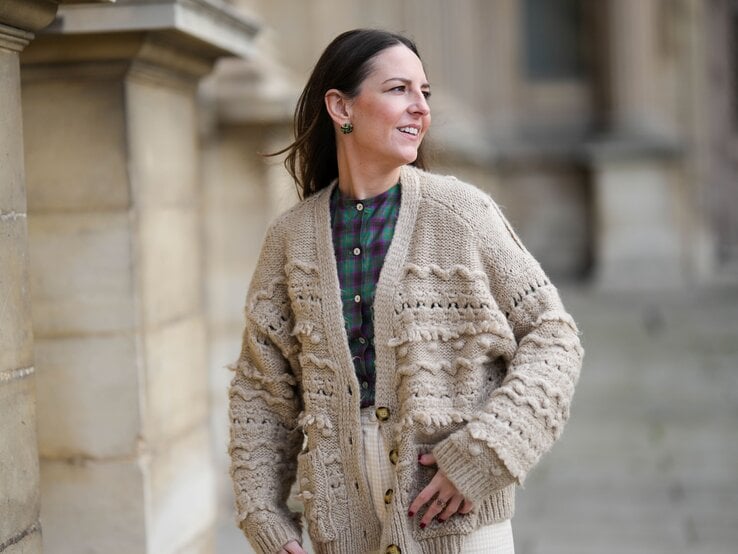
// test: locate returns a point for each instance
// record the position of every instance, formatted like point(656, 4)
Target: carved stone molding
point(215, 27)
point(21, 19)
point(163, 40)
point(27, 15)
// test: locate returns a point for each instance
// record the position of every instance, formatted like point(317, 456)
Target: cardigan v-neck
point(362, 231)
point(390, 273)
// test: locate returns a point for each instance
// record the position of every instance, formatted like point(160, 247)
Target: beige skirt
point(491, 539)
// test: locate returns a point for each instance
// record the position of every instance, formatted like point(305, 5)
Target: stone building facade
point(133, 200)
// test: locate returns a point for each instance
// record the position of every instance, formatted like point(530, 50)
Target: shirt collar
point(343, 201)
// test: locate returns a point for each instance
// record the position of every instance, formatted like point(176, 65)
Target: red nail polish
point(422, 525)
point(419, 456)
point(410, 513)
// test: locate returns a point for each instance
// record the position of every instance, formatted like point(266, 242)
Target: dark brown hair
point(344, 64)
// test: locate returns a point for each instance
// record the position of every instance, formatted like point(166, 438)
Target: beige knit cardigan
point(476, 361)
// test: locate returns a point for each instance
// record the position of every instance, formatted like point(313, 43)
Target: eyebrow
point(406, 81)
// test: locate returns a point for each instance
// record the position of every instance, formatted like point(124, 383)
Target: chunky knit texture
point(476, 361)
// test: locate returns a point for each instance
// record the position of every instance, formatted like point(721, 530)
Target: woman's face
point(391, 113)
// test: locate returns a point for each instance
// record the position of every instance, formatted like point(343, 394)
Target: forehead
point(397, 61)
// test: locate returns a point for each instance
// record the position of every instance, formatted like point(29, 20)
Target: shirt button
point(362, 340)
point(359, 206)
point(357, 251)
point(364, 385)
point(357, 298)
point(388, 496)
point(394, 456)
point(393, 549)
point(382, 413)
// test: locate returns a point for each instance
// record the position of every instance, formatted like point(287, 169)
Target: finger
point(427, 459)
point(434, 508)
point(446, 492)
point(428, 492)
point(451, 508)
point(466, 507)
point(293, 547)
point(423, 497)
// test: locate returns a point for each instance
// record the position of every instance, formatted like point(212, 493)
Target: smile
point(410, 131)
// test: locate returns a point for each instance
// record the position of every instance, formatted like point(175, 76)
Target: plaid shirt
point(362, 233)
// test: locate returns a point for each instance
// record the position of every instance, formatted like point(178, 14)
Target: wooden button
point(393, 549)
point(388, 496)
point(383, 413)
point(394, 456)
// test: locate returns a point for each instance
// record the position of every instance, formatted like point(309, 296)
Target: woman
point(404, 356)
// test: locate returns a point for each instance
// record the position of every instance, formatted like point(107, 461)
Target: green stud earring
point(346, 128)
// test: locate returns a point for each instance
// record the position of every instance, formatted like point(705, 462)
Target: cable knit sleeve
point(264, 406)
point(527, 413)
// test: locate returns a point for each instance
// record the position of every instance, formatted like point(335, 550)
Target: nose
point(420, 106)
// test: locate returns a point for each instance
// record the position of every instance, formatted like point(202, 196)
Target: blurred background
point(134, 199)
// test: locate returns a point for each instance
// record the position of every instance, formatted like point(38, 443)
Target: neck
point(362, 180)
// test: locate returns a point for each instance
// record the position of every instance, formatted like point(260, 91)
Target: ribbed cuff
point(475, 480)
point(270, 538)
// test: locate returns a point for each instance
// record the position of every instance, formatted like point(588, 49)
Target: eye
point(398, 88)
point(427, 94)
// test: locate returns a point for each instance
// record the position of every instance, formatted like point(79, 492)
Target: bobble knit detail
point(476, 362)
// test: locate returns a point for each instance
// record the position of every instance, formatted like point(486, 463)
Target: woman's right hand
point(292, 547)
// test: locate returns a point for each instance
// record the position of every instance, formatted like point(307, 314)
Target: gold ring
point(440, 502)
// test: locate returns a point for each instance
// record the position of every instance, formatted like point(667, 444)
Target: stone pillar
point(116, 267)
point(638, 194)
point(250, 106)
point(634, 67)
point(638, 230)
point(20, 529)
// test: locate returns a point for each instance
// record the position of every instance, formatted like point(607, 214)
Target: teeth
point(411, 130)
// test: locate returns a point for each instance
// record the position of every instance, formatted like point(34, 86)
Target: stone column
point(20, 530)
point(634, 67)
point(250, 106)
point(638, 192)
point(113, 176)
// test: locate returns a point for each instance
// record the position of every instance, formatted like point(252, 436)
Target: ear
point(338, 106)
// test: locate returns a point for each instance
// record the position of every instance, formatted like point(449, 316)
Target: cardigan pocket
point(416, 481)
point(323, 493)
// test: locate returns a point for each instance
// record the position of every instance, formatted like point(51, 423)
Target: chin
point(400, 158)
point(409, 157)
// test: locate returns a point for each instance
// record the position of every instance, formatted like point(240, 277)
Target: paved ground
point(649, 461)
